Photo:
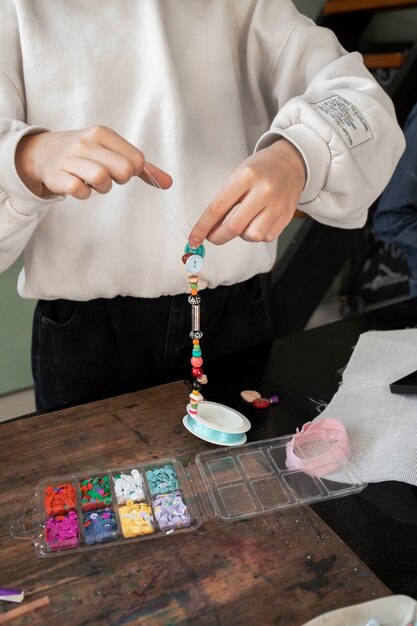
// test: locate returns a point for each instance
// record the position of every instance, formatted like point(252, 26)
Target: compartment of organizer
point(278, 455)
point(302, 486)
point(224, 470)
point(254, 464)
point(270, 492)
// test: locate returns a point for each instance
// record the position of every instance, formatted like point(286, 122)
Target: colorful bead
point(60, 500)
point(197, 372)
point(261, 403)
point(196, 385)
point(196, 361)
point(195, 398)
point(202, 378)
point(171, 512)
point(193, 279)
point(162, 480)
point(250, 395)
point(274, 399)
point(99, 526)
point(129, 487)
point(136, 519)
point(200, 250)
point(95, 493)
point(194, 263)
point(196, 353)
point(195, 317)
point(194, 299)
point(62, 532)
point(185, 257)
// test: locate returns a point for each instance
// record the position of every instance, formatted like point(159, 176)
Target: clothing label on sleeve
point(346, 119)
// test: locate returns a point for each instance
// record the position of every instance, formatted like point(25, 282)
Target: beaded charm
point(193, 260)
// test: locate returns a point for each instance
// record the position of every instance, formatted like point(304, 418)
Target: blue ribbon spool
point(217, 423)
point(216, 436)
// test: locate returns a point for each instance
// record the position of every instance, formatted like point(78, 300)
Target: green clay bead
point(200, 250)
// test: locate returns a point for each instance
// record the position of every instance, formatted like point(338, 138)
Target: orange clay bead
point(194, 292)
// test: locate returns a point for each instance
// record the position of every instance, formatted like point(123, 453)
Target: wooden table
point(284, 568)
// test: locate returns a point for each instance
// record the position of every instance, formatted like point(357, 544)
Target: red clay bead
point(185, 257)
point(196, 372)
point(261, 403)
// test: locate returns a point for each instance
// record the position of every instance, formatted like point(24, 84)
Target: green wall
point(15, 333)
point(309, 7)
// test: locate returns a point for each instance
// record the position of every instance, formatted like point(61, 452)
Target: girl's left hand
point(259, 199)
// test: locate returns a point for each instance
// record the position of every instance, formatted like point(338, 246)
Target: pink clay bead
point(196, 361)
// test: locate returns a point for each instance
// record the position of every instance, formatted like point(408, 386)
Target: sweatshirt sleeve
point(330, 107)
point(20, 209)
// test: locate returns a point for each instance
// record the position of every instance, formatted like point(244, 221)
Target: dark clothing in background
point(395, 218)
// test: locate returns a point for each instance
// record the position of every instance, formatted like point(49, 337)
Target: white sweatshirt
point(197, 85)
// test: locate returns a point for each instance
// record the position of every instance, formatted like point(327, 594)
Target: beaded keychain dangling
point(193, 260)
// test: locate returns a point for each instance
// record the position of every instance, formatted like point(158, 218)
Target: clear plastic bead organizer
point(77, 512)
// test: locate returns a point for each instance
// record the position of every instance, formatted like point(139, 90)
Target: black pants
point(89, 350)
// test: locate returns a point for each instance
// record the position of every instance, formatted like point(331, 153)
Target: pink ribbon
point(327, 430)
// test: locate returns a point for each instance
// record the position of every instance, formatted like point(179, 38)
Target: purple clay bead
point(171, 512)
point(274, 399)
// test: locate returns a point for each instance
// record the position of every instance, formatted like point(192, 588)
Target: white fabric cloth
point(382, 426)
point(389, 611)
point(197, 86)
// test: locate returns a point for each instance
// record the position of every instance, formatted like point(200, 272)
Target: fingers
point(65, 183)
point(252, 221)
point(214, 215)
point(259, 199)
point(74, 162)
point(239, 220)
point(94, 174)
point(265, 226)
point(107, 138)
point(155, 176)
point(120, 158)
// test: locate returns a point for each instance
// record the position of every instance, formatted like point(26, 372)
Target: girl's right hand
point(78, 161)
